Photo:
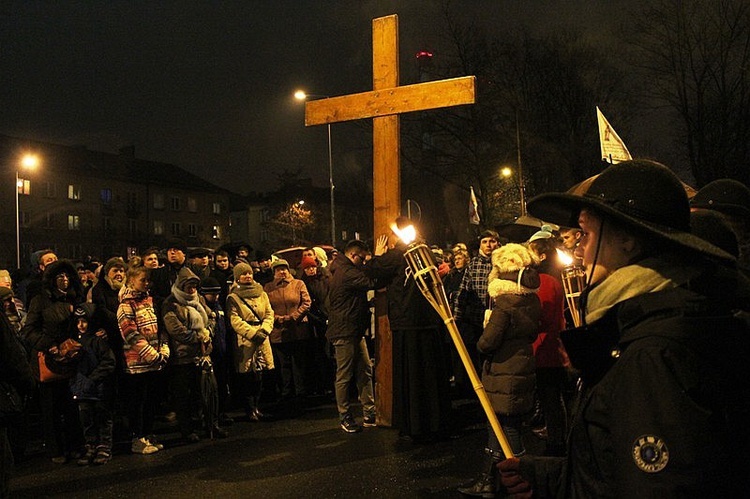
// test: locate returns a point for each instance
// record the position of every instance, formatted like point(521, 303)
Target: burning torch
point(573, 281)
point(425, 273)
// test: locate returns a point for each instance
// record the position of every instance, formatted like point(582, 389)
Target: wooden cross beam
point(384, 104)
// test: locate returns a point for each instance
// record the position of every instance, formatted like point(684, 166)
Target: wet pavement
point(302, 455)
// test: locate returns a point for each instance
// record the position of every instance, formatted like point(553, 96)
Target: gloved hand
point(510, 476)
point(160, 360)
point(204, 336)
point(260, 337)
point(164, 351)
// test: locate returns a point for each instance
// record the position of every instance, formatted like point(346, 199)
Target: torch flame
point(564, 258)
point(408, 234)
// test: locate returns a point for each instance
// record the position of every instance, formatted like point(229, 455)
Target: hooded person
point(189, 323)
point(251, 318)
point(508, 371)
point(47, 327)
point(661, 356)
point(105, 297)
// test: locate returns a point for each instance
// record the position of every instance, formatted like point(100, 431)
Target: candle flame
point(408, 234)
point(564, 257)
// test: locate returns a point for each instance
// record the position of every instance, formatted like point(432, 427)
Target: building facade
point(84, 203)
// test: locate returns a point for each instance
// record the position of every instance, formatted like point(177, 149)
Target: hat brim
point(563, 209)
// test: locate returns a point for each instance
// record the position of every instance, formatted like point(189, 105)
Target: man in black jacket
point(348, 319)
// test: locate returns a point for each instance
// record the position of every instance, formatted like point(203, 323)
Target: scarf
point(647, 276)
point(197, 317)
point(252, 290)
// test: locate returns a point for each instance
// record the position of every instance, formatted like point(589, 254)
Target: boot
point(486, 484)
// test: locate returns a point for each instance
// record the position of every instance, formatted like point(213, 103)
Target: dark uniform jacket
point(348, 309)
point(664, 411)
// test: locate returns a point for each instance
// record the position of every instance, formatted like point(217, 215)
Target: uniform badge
point(650, 453)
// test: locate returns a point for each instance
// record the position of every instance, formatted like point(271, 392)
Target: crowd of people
point(656, 369)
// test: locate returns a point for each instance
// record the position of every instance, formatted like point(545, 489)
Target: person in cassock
point(421, 378)
point(665, 400)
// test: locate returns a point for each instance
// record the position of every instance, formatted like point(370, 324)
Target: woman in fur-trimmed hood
point(508, 374)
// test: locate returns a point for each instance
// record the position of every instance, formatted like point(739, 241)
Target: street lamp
point(302, 96)
point(507, 172)
point(28, 162)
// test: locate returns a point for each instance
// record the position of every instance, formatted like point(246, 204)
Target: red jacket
point(548, 349)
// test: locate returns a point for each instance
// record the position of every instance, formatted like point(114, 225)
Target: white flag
point(473, 208)
point(613, 148)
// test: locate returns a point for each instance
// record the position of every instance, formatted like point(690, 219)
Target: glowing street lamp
point(27, 162)
point(301, 95)
point(507, 172)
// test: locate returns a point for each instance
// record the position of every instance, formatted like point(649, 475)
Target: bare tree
point(695, 56)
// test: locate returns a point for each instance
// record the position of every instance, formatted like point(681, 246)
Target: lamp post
point(29, 162)
point(302, 96)
point(507, 173)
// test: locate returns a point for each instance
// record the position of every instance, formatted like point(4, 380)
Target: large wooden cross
point(384, 104)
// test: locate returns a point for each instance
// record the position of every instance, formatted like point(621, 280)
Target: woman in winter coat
point(144, 355)
point(189, 323)
point(48, 325)
point(508, 372)
point(251, 317)
point(291, 334)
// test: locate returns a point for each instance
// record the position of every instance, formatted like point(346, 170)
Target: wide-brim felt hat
point(725, 196)
point(640, 194)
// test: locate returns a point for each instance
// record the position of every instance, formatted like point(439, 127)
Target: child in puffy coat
point(93, 386)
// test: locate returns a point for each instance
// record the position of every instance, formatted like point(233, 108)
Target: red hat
point(308, 262)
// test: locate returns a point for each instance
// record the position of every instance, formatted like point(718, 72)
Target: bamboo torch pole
point(420, 260)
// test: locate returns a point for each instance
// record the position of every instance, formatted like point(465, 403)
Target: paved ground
point(302, 456)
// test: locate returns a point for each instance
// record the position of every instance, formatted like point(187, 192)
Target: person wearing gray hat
point(665, 395)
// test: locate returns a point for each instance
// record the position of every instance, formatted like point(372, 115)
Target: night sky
point(208, 85)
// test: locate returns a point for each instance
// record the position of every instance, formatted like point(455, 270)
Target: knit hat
point(184, 277)
point(321, 254)
point(210, 285)
point(544, 233)
point(308, 262)
point(113, 262)
point(279, 263)
point(640, 194)
point(85, 311)
point(724, 195)
point(176, 243)
point(241, 268)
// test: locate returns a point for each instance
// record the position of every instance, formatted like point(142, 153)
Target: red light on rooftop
point(423, 53)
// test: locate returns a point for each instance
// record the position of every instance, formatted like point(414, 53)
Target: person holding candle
point(665, 395)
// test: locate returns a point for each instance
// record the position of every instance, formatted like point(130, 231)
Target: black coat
point(349, 310)
point(665, 406)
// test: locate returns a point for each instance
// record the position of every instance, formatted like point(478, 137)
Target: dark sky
point(208, 85)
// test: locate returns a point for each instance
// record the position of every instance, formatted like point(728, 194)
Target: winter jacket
point(49, 317)
point(318, 287)
point(548, 348)
point(139, 330)
point(665, 403)
point(95, 365)
point(247, 326)
point(348, 308)
point(290, 302)
point(187, 336)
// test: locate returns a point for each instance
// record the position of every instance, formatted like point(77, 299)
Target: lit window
point(216, 232)
point(158, 227)
point(217, 208)
point(74, 192)
point(74, 222)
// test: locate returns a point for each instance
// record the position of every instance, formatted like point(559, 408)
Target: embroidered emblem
point(650, 453)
